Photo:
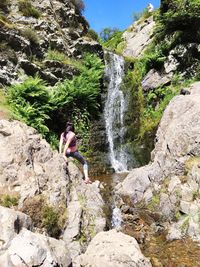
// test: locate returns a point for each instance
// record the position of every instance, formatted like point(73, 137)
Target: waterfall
point(114, 112)
point(116, 220)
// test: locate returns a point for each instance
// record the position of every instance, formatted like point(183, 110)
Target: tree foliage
point(107, 33)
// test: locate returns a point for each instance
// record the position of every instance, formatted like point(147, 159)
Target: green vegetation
point(48, 110)
point(5, 22)
point(56, 55)
point(5, 112)
point(51, 221)
point(111, 38)
point(185, 224)
point(45, 216)
point(180, 15)
point(92, 35)
point(115, 43)
point(31, 35)
point(30, 103)
point(141, 15)
point(8, 201)
point(107, 33)
point(27, 9)
point(154, 203)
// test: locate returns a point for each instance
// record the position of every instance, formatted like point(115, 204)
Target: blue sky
point(113, 13)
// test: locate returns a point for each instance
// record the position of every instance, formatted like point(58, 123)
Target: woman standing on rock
point(68, 138)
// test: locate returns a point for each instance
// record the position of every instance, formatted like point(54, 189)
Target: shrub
point(5, 22)
point(46, 109)
point(179, 15)
point(55, 55)
point(50, 221)
point(71, 93)
point(79, 97)
point(115, 42)
point(8, 201)
point(45, 216)
point(27, 9)
point(31, 35)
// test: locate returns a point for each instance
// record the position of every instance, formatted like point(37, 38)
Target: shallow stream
point(162, 253)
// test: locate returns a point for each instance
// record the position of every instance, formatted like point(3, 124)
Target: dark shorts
point(77, 156)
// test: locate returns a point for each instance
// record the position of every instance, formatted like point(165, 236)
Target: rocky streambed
point(148, 229)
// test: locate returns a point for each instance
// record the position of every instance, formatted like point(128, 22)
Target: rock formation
point(137, 37)
point(172, 177)
point(21, 247)
point(41, 180)
point(25, 40)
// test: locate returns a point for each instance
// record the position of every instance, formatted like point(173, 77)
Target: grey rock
point(30, 249)
point(137, 37)
point(174, 167)
point(154, 79)
point(113, 249)
point(11, 224)
point(30, 167)
point(21, 247)
point(60, 26)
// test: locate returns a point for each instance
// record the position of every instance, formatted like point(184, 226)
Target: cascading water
point(114, 112)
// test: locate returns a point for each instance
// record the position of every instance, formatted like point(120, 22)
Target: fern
point(30, 103)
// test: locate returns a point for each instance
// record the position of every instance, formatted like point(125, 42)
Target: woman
point(68, 138)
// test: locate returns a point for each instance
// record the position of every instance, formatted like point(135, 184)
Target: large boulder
point(113, 249)
point(29, 166)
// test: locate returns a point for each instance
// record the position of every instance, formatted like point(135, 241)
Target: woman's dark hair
point(69, 127)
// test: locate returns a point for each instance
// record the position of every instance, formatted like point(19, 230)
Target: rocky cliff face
point(137, 37)
point(170, 182)
point(26, 38)
point(44, 187)
point(52, 201)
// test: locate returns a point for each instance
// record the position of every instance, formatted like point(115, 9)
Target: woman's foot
point(88, 181)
